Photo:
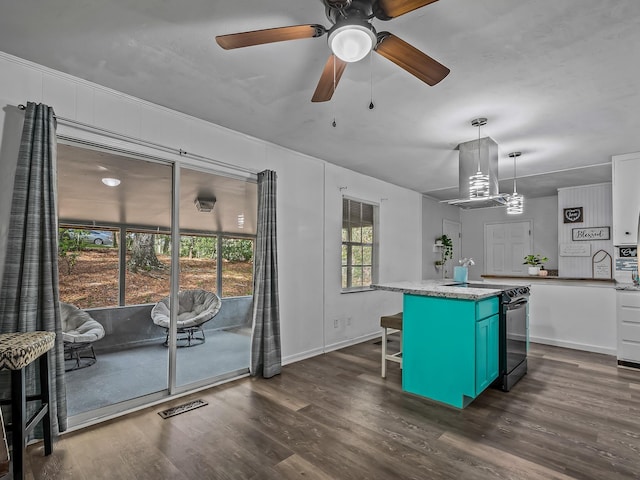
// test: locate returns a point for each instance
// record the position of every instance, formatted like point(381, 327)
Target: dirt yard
point(93, 281)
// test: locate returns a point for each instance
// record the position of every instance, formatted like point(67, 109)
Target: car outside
point(97, 237)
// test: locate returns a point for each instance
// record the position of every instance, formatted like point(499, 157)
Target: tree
point(237, 249)
point(69, 247)
point(143, 254)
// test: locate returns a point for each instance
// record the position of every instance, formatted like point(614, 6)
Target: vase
point(534, 270)
point(460, 274)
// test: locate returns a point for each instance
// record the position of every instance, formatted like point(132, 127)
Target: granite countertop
point(440, 288)
point(551, 277)
point(628, 286)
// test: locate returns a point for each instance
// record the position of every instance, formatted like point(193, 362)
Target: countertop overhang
point(445, 288)
point(549, 277)
point(538, 279)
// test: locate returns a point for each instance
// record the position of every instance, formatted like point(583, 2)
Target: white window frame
point(349, 243)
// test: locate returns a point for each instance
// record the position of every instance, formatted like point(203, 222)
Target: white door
point(505, 246)
point(452, 230)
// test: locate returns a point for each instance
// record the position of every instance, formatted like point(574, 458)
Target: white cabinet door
point(628, 315)
point(626, 198)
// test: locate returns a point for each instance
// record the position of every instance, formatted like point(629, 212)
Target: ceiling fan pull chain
point(371, 105)
point(334, 124)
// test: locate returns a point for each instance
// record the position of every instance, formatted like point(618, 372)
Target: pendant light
point(479, 182)
point(515, 202)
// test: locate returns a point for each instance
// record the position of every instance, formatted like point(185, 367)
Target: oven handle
point(517, 304)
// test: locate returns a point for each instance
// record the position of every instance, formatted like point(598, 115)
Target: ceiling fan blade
point(324, 90)
point(270, 35)
point(388, 9)
point(410, 58)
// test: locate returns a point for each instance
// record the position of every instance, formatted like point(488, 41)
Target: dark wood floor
point(574, 416)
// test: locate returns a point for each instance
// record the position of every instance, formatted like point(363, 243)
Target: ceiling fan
point(351, 38)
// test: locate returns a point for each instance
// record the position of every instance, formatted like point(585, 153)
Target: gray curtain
point(266, 357)
point(29, 292)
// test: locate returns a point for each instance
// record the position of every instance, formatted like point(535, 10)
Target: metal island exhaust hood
point(487, 149)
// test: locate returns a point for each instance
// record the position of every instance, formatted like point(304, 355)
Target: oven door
point(516, 333)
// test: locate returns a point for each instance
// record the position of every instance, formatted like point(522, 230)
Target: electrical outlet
point(336, 323)
point(348, 321)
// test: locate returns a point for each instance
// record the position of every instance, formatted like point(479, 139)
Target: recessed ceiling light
point(111, 182)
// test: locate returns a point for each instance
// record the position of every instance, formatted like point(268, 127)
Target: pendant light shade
point(478, 185)
point(479, 182)
point(515, 201)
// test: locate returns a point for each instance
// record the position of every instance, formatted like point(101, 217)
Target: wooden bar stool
point(17, 350)
point(390, 324)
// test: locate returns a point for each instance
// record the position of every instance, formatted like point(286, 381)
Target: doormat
point(185, 407)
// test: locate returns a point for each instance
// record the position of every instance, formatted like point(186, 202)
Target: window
point(359, 263)
point(88, 266)
point(237, 267)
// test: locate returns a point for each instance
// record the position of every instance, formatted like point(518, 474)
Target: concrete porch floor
point(124, 374)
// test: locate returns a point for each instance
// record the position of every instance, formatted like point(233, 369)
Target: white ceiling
point(557, 79)
point(143, 198)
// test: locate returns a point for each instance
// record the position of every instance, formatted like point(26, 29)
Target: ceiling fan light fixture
point(351, 43)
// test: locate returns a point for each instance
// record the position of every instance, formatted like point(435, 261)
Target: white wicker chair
point(195, 308)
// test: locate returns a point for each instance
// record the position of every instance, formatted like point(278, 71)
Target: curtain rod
point(139, 141)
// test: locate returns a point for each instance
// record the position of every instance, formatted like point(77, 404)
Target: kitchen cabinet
point(628, 315)
point(486, 352)
point(626, 198)
point(450, 347)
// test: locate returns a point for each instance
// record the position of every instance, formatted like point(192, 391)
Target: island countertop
point(445, 288)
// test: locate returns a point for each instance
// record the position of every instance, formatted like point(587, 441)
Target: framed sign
point(628, 252)
point(572, 215)
point(601, 264)
point(590, 234)
point(626, 264)
point(575, 250)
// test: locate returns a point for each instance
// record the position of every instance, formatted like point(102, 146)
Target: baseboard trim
point(329, 348)
point(302, 356)
point(574, 345)
point(352, 341)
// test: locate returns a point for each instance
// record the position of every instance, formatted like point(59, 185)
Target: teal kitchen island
point(449, 339)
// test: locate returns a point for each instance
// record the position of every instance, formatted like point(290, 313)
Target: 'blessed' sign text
point(590, 234)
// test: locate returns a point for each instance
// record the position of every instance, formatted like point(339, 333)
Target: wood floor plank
point(575, 415)
point(279, 395)
point(507, 462)
point(296, 467)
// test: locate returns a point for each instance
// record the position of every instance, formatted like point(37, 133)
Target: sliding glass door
point(114, 267)
point(216, 277)
point(132, 231)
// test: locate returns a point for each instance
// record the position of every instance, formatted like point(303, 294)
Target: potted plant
point(446, 250)
point(534, 261)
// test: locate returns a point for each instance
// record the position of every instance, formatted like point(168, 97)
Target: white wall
point(358, 314)
point(542, 212)
point(433, 213)
point(306, 217)
point(597, 206)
